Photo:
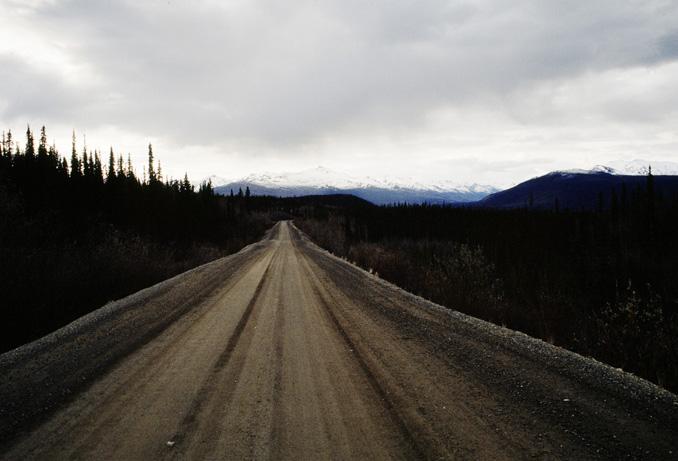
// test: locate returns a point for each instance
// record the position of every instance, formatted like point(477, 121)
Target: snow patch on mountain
point(216, 181)
point(636, 167)
point(598, 169)
point(324, 178)
point(384, 190)
point(641, 167)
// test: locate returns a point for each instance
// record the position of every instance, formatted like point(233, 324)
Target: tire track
point(135, 382)
point(279, 349)
point(86, 363)
point(188, 424)
point(396, 418)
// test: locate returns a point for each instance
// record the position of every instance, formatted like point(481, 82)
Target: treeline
point(602, 283)
point(79, 230)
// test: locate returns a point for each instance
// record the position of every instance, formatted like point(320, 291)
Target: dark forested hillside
point(77, 231)
point(590, 190)
point(602, 283)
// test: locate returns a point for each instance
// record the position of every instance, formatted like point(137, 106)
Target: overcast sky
point(486, 91)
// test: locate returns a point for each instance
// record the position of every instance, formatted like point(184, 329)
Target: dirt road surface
point(283, 351)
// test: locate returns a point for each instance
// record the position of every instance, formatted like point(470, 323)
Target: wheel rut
point(380, 390)
point(186, 428)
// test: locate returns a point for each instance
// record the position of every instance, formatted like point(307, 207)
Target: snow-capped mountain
point(640, 167)
point(584, 189)
point(323, 181)
point(598, 169)
point(636, 167)
point(314, 177)
point(216, 181)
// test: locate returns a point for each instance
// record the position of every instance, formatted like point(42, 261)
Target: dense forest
point(602, 283)
point(77, 232)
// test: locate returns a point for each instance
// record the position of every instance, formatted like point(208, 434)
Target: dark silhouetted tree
point(30, 146)
point(152, 178)
point(110, 175)
point(76, 170)
point(42, 147)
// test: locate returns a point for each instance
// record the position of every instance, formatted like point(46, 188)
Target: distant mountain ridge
point(577, 189)
point(323, 181)
point(642, 167)
point(574, 189)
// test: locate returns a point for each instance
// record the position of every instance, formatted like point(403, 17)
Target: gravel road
point(284, 351)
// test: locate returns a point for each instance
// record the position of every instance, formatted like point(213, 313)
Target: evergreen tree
point(130, 170)
point(151, 169)
point(76, 171)
point(8, 145)
point(98, 170)
point(110, 175)
point(247, 191)
point(121, 172)
point(42, 147)
point(206, 191)
point(85, 164)
point(185, 185)
point(30, 147)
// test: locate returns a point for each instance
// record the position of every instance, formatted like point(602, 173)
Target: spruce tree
point(30, 147)
point(97, 169)
point(85, 164)
point(151, 170)
point(8, 145)
point(76, 171)
point(186, 186)
point(42, 148)
point(110, 175)
point(130, 170)
point(121, 172)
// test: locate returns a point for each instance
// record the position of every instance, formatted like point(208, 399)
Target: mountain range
point(323, 181)
point(574, 189)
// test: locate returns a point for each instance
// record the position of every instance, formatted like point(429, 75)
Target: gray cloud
point(253, 75)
